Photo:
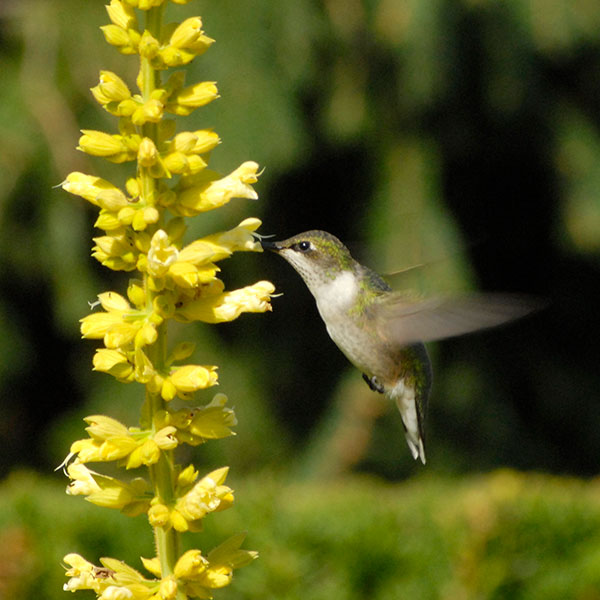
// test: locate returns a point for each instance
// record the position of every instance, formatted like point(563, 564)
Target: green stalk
point(162, 474)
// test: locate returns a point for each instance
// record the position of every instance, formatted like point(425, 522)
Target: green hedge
point(500, 535)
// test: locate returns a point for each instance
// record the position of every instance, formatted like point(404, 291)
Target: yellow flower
point(116, 148)
point(111, 88)
point(122, 14)
point(161, 254)
point(213, 421)
point(96, 190)
point(121, 325)
point(208, 495)
point(115, 363)
point(205, 191)
point(229, 305)
point(184, 101)
point(108, 491)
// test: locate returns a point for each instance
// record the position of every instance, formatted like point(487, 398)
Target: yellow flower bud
point(158, 515)
point(191, 378)
point(168, 390)
point(99, 143)
point(186, 100)
point(190, 565)
point(122, 14)
point(136, 293)
point(148, 46)
point(168, 588)
point(108, 221)
point(112, 301)
point(176, 162)
point(102, 427)
point(206, 140)
point(115, 35)
point(111, 88)
point(113, 362)
point(147, 153)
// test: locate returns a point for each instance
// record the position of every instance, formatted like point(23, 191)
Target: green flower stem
point(162, 473)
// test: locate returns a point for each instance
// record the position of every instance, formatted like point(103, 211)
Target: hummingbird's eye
point(303, 246)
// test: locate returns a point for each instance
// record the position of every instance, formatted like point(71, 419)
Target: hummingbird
point(381, 331)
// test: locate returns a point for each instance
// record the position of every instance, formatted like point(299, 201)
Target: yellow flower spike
point(186, 100)
point(192, 378)
point(122, 14)
point(190, 565)
point(111, 88)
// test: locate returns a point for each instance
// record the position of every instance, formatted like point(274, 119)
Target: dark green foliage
point(504, 535)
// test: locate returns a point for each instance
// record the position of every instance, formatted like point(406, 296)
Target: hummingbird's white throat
point(337, 295)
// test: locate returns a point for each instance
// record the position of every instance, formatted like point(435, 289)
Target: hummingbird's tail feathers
point(405, 398)
point(405, 321)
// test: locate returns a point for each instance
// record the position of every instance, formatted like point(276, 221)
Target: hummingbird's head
point(318, 256)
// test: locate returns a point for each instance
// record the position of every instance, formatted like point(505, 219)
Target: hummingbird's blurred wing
point(405, 321)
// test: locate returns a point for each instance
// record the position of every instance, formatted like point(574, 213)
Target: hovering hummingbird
point(380, 331)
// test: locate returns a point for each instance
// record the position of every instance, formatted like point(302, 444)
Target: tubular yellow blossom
point(98, 191)
point(201, 196)
point(229, 305)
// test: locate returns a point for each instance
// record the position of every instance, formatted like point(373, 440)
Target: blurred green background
point(463, 135)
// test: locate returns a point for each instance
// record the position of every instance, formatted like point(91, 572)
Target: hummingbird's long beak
point(270, 245)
